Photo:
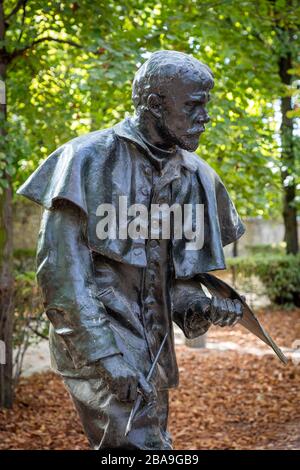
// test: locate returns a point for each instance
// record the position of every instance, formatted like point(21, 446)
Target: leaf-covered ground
point(226, 400)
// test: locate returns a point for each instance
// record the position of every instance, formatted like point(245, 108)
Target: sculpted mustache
point(196, 130)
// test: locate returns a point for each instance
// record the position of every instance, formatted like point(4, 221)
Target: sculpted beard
point(185, 141)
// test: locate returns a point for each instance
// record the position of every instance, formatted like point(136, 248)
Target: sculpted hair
point(161, 69)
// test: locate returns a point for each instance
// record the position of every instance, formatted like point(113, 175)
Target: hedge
point(279, 273)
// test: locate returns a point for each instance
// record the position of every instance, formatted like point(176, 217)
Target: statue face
point(183, 114)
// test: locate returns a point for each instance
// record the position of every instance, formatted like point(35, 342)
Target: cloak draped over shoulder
point(100, 166)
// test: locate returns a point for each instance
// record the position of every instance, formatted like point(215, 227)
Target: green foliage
point(80, 78)
point(24, 260)
point(30, 322)
point(29, 316)
point(262, 249)
point(279, 273)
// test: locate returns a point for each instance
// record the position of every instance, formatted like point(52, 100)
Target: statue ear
point(154, 103)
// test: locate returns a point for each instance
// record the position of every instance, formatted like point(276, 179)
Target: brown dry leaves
point(42, 417)
point(232, 401)
point(225, 400)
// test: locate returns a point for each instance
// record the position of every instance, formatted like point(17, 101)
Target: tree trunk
point(6, 290)
point(288, 161)
point(6, 247)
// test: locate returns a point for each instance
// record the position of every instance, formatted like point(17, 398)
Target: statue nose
point(203, 118)
point(206, 118)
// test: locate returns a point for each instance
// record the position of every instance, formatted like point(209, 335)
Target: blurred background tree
point(68, 67)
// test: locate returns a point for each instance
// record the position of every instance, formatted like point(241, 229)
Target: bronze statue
point(110, 297)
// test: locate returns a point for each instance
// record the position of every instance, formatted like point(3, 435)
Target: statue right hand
point(124, 380)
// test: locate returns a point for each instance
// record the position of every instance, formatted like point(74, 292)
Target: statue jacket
point(120, 295)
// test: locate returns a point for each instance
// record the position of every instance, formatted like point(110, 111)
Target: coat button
point(150, 302)
point(147, 170)
point(148, 310)
point(162, 200)
point(152, 265)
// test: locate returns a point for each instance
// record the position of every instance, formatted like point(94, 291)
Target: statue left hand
point(224, 312)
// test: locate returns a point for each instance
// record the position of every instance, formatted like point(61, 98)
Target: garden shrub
point(279, 273)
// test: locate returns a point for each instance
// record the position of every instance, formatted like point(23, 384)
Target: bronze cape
point(109, 296)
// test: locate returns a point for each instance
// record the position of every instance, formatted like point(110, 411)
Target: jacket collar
point(126, 130)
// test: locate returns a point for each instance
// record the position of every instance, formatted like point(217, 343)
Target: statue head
point(170, 92)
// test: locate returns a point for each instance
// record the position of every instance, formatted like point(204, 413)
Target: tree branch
point(255, 34)
point(19, 52)
point(20, 4)
point(23, 21)
point(2, 22)
point(36, 332)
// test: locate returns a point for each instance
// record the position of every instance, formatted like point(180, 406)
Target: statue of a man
point(110, 297)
